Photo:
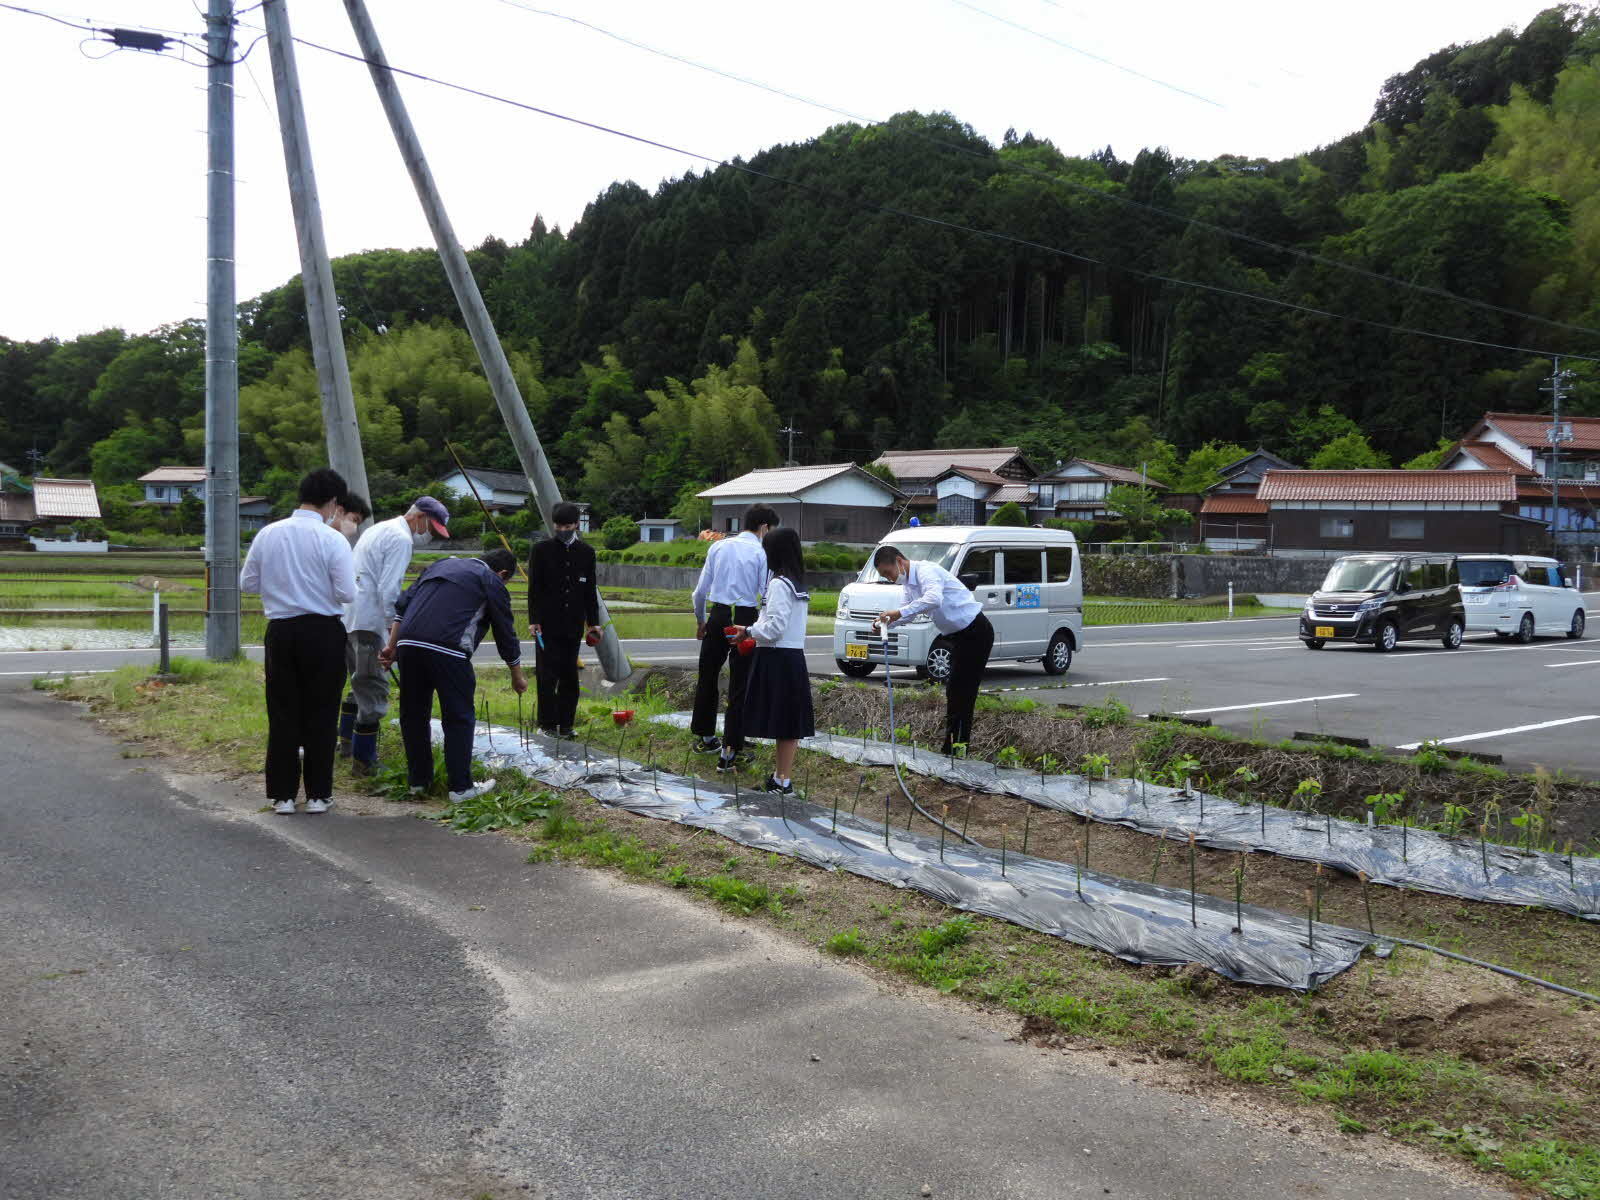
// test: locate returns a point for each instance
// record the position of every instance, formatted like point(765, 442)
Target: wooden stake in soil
point(1405, 830)
point(1483, 849)
point(1078, 845)
point(944, 817)
point(1366, 898)
point(861, 782)
point(1193, 920)
point(835, 813)
point(967, 817)
point(886, 820)
point(1571, 879)
point(1263, 818)
point(1161, 849)
point(1003, 832)
point(1027, 824)
point(1311, 928)
point(1238, 895)
point(1328, 820)
point(1319, 891)
point(1202, 802)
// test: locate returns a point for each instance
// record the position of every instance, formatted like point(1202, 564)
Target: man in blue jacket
point(440, 621)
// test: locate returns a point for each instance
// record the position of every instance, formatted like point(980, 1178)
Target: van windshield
point(1360, 575)
point(1484, 572)
point(940, 554)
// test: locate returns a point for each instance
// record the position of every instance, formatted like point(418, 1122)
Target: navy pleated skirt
point(777, 701)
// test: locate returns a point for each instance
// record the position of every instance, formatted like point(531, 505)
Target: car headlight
point(1370, 606)
point(844, 604)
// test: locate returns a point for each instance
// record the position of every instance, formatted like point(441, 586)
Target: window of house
point(1058, 564)
point(733, 524)
point(1338, 527)
point(978, 568)
point(835, 527)
point(653, 533)
point(1405, 528)
point(1024, 564)
point(1046, 492)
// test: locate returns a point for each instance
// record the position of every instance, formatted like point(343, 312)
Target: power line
point(1063, 182)
point(1171, 87)
point(153, 39)
point(937, 222)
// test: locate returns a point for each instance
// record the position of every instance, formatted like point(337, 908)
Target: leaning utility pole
point(546, 494)
point(222, 347)
point(316, 273)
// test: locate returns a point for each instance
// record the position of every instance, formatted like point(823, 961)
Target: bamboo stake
point(1319, 891)
point(944, 817)
point(1027, 824)
point(1193, 919)
point(1003, 832)
point(1238, 895)
point(1483, 849)
point(1311, 929)
point(835, 828)
point(1366, 898)
point(1161, 849)
point(1078, 845)
point(967, 817)
point(861, 782)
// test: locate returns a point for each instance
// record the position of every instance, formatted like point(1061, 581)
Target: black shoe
point(732, 762)
point(566, 733)
point(708, 745)
point(772, 785)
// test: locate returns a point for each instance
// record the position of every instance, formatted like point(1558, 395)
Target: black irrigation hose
point(1489, 966)
point(894, 750)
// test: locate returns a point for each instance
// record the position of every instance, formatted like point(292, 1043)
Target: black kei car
point(1381, 600)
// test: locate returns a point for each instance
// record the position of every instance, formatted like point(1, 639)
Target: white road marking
point(65, 671)
point(1582, 662)
point(1193, 712)
point(1473, 737)
point(1112, 682)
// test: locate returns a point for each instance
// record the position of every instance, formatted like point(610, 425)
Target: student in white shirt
point(731, 581)
point(958, 617)
point(301, 568)
point(383, 555)
point(777, 704)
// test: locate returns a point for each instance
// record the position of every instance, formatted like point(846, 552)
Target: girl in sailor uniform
point(778, 699)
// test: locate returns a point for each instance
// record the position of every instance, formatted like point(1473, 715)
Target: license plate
point(1476, 599)
point(1325, 631)
point(855, 650)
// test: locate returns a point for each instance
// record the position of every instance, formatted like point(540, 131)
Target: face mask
point(568, 536)
point(421, 539)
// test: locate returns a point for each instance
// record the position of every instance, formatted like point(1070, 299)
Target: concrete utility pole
point(316, 273)
point(222, 347)
point(1555, 435)
point(791, 431)
point(613, 662)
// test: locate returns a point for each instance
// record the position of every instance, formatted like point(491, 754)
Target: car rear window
point(1483, 572)
point(1058, 561)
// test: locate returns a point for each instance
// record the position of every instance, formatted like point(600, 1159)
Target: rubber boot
point(347, 726)
point(364, 751)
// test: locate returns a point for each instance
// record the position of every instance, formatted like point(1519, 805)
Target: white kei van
point(1516, 595)
point(1029, 581)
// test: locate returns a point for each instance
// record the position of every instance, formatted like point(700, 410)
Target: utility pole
point(1555, 435)
point(613, 662)
point(222, 346)
point(316, 273)
point(791, 431)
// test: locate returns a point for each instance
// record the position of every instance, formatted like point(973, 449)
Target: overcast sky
point(104, 201)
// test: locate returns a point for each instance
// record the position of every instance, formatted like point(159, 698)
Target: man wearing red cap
point(382, 557)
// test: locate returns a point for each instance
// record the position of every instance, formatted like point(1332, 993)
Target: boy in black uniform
point(562, 601)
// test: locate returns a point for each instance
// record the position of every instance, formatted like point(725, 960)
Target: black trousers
point(714, 651)
point(305, 675)
point(556, 666)
point(969, 655)
point(424, 674)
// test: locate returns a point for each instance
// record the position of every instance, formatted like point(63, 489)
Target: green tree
point(1009, 513)
point(1143, 511)
point(619, 532)
point(129, 452)
point(1429, 460)
point(1348, 452)
point(1201, 468)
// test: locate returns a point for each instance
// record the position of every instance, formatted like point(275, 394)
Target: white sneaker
point(318, 806)
point(476, 789)
point(283, 807)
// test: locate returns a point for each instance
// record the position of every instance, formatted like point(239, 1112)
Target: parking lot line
point(1473, 737)
point(1194, 712)
point(1582, 662)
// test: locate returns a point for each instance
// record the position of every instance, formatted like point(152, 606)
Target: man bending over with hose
point(933, 590)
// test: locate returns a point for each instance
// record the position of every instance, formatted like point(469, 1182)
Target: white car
point(1029, 581)
point(1516, 595)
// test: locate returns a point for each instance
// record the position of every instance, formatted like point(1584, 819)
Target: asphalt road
point(201, 1000)
point(1537, 704)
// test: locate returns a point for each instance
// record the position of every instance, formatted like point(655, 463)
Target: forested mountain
point(909, 282)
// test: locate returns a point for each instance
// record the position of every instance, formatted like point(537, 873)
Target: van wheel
point(1058, 655)
point(1525, 629)
point(1452, 634)
point(1575, 630)
point(1314, 643)
point(940, 660)
point(855, 668)
point(1386, 638)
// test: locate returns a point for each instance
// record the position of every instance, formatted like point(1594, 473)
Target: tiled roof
point(1108, 471)
point(65, 498)
point(978, 475)
point(930, 464)
point(787, 481)
point(1530, 429)
point(1494, 458)
point(1388, 485)
point(174, 475)
point(1013, 493)
point(1235, 502)
point(500, 481)
point(1570, 490)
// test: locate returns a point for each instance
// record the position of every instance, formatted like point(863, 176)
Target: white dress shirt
point(381, 558)
point(735, 569)
point(782, 623)
point(933, 590)
point(299, 566)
